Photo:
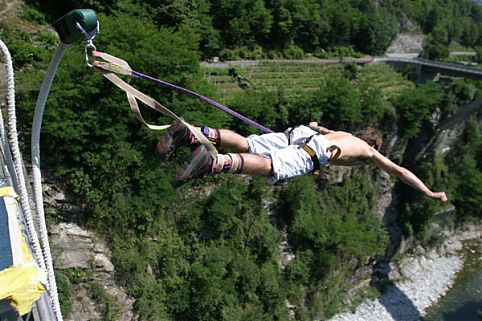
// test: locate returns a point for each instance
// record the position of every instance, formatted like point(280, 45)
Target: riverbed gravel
point(423, 279)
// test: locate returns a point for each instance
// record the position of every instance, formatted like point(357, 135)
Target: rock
point(406, 43)
point(286, 253)
point(336, 175)
point(83, 307)
point(419, 250)
point(447, 139)
point(102, 263)
point(76, 248)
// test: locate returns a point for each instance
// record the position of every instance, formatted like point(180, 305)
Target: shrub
point(293, 52)
point(33, 15)
point(436, 52)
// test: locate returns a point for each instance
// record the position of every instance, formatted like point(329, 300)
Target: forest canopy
point(273, 26)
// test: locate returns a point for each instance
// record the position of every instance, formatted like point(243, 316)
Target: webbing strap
point(111, 63)
point(132, 96)
point(228, 163)
point(119, 66)
point(288, 134)
point(314, 158)
point(288, 137)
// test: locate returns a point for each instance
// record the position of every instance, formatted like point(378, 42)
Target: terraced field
point(292, 77)
point(382, 77)
point(295, 77)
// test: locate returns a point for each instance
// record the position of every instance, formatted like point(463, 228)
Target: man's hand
point(322, 130)
point(438, 196)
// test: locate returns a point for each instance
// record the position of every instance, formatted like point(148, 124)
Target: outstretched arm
point(405, 176)
point(322, 130)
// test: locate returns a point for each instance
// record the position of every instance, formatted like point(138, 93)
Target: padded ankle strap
point(228, 163)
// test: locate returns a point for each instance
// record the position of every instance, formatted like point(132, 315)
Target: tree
point(336, 103)
point(478, 50)
point(308, 28)
point(242, 22)
point(415, 105)
point(343, 20)
point(436, 51)
point(471, 33)
point(377, 30)
point(465, 171)
point(282, 32)
point(431, 20)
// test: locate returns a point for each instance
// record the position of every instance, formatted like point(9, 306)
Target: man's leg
point(233, 141)
point(256, 165)
point(202, 164)
point(280, 164)
point(178, 134)
point(257, 144)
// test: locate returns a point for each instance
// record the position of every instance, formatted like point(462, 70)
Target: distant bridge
point(434, 66)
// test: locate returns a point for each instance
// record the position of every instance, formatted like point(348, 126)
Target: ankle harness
point(228, 163)
point(212, 134)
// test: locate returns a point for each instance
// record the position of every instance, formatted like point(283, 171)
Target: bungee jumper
point(279, 156)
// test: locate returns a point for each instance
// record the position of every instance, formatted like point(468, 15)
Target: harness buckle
point(331, 149)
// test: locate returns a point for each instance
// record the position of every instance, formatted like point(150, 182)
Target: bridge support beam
point(462, 114)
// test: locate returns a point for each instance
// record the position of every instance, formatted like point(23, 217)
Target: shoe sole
point(167, 141)
point(198, 166)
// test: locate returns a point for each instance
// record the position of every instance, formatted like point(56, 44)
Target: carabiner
point(89, 47)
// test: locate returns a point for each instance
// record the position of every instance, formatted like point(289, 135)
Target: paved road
point(404, 58)
point(249, 63)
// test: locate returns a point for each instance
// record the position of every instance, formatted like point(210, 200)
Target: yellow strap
point(314, 158)
point(288, 137)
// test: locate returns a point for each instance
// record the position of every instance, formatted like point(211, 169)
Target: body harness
point(312, 153)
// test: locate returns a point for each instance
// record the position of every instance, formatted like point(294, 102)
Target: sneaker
point(176, 135)
point(199, 166)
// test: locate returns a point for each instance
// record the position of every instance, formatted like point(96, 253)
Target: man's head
point(372, 137)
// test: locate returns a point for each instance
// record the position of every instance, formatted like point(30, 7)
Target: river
point(463, 302)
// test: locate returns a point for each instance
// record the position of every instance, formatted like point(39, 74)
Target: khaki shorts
point(290, 160)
